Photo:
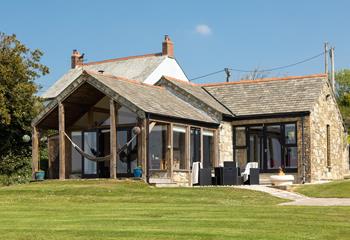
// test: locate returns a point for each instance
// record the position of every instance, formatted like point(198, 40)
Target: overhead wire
point(262, 70)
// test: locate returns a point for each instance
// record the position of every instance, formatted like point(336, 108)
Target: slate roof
point(136, 68)
point(198, 92)
point(152, 99)
point(269, 96)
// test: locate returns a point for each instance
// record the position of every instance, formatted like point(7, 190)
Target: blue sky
point(208, 35)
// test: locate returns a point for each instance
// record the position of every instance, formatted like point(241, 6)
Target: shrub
point(15, 168)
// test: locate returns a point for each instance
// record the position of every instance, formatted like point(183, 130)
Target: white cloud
point(203, 29)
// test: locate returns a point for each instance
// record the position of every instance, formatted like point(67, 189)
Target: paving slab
point(296, 198)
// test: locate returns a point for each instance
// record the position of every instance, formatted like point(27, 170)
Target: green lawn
point(335, 189)
point(132, 210)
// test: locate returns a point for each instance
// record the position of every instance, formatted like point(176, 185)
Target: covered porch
point(98, 115)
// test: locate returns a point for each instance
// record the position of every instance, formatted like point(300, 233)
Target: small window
point(290, 133)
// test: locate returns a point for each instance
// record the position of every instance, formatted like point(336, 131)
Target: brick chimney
point(168, 47)
point(77, 59)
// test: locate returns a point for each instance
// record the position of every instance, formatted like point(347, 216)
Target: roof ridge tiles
point(123, 59)
point(262, 80)
point(179, 80)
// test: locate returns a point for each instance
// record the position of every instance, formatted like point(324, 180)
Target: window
point(240, 157)
point(158, 147)
point(240, 136)
point(195, 146)
point(240, 146)
point(76, 157)
point(274, 147)
point(291, 157)
point(208, 149)
point(179, 153)
point(290, 133)
point(290, 150)
point(328, 146)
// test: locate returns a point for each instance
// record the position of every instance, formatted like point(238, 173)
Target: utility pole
point(326, 58)
point(228, 74)
point(331, 54)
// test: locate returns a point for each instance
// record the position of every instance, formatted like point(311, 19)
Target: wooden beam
point(216, 149)
point(113, 139)
point(170, 150)
point(142, 147)
point(99, 110)
point(35, 151)
point(62, 141)
point(187, 148)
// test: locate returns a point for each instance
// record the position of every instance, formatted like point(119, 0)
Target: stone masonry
point(225, 143)
point(325, 113)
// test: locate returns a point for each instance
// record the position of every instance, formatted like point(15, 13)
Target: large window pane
point(274, 155)
point(291, 157)
point(290, 131)
point(208, 140)
point(195, 148)
point(90, 147)
point(158, 147)
point(179, 154)
point(76, 157)
point(122, 163)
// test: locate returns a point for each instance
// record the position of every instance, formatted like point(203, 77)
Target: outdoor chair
point(251, 173)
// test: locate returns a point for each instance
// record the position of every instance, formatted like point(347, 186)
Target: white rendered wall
point(169, 67)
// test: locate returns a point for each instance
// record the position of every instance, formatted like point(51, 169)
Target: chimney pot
point(168, 47)
point(77, 59)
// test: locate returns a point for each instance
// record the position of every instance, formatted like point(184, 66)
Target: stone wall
point(225, 143)
point(182, 178)
point(324, 113)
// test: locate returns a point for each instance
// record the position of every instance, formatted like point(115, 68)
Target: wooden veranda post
point(142, 147)
point(35, 151)
point(113, 138)
point(62, 141)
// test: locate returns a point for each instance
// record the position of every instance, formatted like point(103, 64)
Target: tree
point(19, 67)
point(342, 78)
point(255, 74)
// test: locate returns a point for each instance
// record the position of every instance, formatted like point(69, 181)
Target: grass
point(335, 189)
point(106, 209)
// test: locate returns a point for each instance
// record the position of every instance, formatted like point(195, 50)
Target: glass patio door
point(127, 158)
point(90, 147)
point(256, 145)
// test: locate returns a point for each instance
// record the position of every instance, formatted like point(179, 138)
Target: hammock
point(136, 131)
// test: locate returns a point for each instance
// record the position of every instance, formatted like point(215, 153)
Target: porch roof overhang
point(90, 87)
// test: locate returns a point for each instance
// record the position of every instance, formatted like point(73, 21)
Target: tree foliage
point(343, 94)
point(19, 67)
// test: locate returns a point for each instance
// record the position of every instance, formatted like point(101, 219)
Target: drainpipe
point(303, 150)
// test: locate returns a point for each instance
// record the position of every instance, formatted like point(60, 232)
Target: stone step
point(167, 185)
point(160, 180)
